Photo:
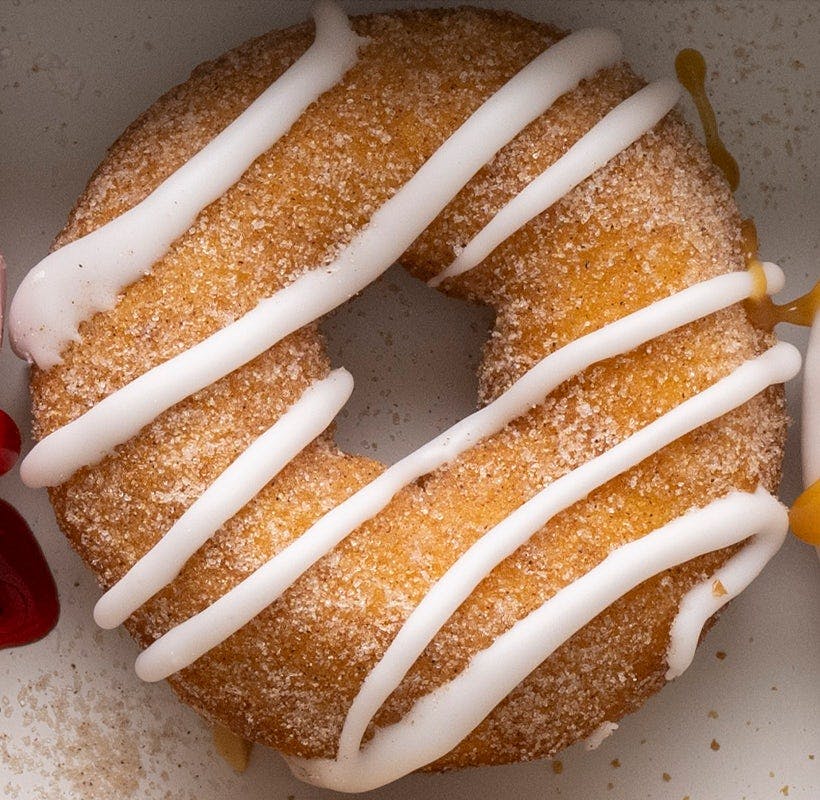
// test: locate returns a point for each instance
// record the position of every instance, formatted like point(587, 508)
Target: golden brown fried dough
point(657, 218)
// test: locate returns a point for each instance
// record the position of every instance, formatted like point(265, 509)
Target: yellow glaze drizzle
point(804, 516)
point(690, 67)
point(759, 285)
point(234, 749)
point(748, 239)
point(766, 314)
point(763, 312)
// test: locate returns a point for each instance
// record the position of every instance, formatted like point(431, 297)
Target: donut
point(530, 575)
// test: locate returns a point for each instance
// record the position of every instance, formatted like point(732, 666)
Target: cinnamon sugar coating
point(657, 218)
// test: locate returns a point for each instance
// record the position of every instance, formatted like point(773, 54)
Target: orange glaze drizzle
point(690, 67)
point(804, 515)
point(763, 311)
point(766, 314)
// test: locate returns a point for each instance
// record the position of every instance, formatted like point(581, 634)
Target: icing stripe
point(391, 230)
point(232, 490)
point(188, 641)
point(86, 276)
point(777, 365)
point(701, 602)
point(811, 408)
point(622, 126)
point(810, 430)
point(444, 717)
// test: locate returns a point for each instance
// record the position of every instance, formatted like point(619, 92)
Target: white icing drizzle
point(810, 431)
point(438, 721)
point(235, 487)
point(87, 275)
point(391, 230)
point(622, 126)
point(811, 408)
point(702, 601)
point(183, 644)
point(597, 737)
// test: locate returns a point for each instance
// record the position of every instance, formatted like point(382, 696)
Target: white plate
point(74, 720)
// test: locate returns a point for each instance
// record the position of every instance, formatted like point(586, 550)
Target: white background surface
point(74, 720)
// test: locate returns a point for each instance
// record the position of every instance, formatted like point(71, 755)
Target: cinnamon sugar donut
point(534, 573)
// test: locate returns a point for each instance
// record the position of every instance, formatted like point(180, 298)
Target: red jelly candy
point(28, 596)
point(9, 442)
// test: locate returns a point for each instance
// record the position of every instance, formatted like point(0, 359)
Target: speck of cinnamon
point(715, 745)
point(557, 767)
point(615, 763)
point(785, 791)
point(713, 714)
point(720, 655)
point(667, 777)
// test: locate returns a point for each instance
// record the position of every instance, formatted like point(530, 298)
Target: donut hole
point(414, 354)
